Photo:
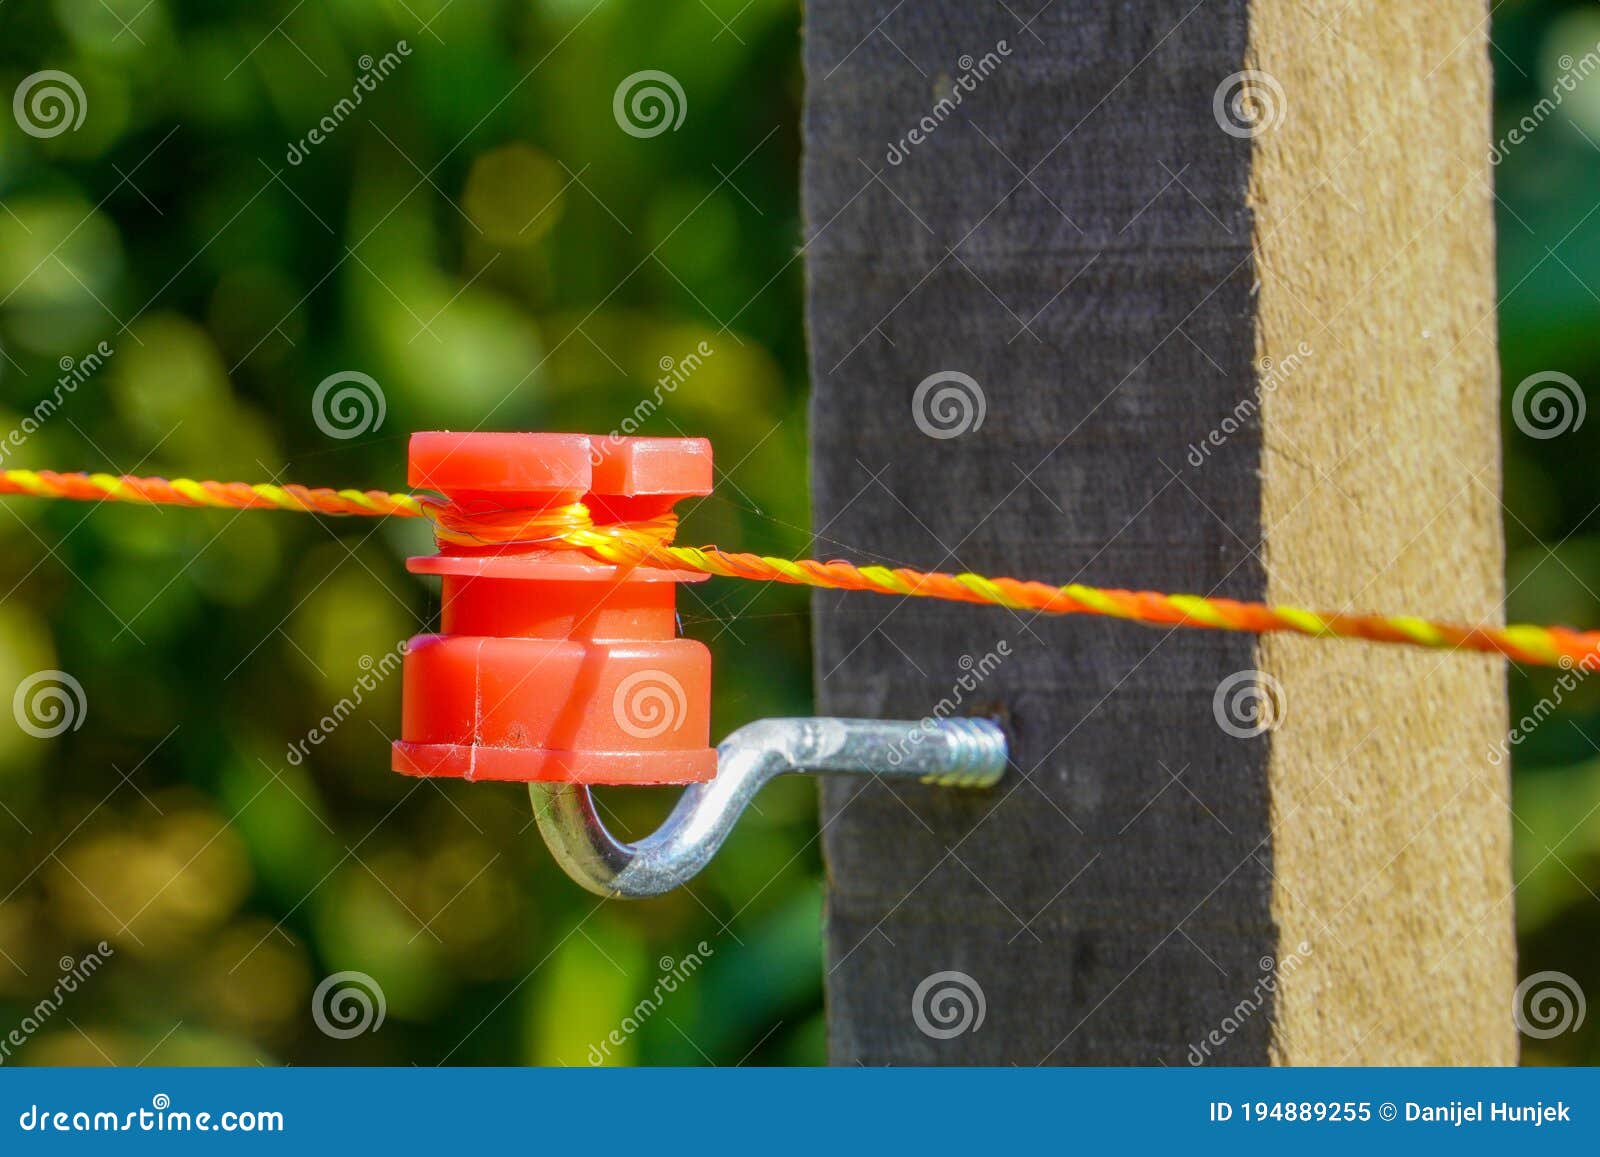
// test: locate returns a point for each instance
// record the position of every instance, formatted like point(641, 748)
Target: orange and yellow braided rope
point(187, 492)
point(637, 543)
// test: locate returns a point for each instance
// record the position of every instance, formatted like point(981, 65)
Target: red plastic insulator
point(549, 664)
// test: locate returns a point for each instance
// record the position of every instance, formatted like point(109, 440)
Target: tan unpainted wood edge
point(1372, 198)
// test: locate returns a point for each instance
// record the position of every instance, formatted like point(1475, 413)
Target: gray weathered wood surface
point(1075, 236)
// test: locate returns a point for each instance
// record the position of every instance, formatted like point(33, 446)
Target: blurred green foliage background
point(1548, 191)
point(481, 238)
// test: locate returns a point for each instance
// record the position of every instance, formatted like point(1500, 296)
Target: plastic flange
point(550, 666)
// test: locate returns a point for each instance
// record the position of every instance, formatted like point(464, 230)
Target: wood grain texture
point(1081, 238)
point(1374, 224)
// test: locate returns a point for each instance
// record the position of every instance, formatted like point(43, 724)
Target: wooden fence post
point(1193, 297)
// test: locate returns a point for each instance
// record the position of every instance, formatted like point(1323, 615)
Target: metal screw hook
point(948, 752)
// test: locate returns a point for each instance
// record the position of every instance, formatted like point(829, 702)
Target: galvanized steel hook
point(948, 752)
